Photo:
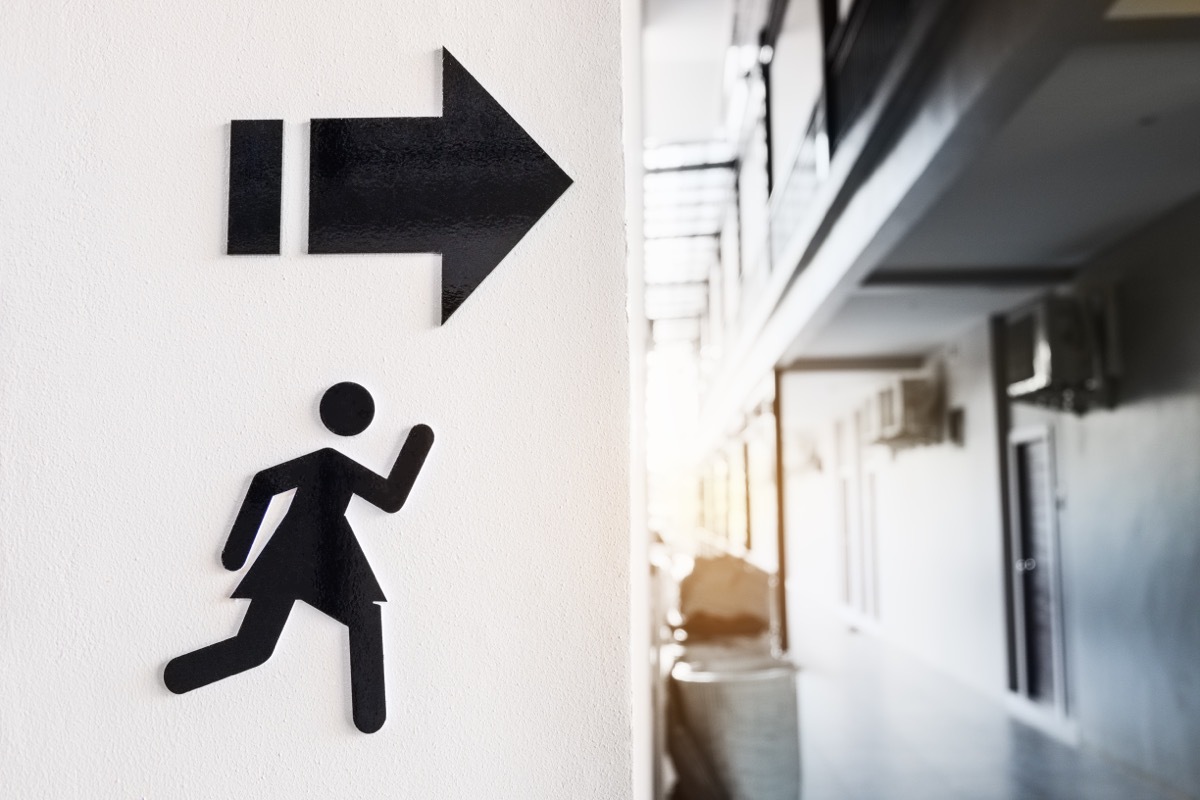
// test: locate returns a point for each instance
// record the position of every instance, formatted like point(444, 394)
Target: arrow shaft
point(410, 185)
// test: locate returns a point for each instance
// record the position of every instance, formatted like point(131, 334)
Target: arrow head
point(514, 182)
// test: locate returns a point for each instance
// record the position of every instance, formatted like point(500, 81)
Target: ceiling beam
point(856, 364)
point(1154, 30)
point(693, 167)
point(971, 277)
point(666, 237)
point(664, 285)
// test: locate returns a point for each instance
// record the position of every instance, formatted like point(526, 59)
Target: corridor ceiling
point(1104, 144)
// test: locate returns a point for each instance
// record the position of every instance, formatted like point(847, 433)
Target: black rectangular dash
point(255, 186)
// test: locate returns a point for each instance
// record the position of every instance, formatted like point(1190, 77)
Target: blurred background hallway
point(923, 396)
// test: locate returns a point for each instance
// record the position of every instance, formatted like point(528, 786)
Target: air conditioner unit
point(1060, 353)
point(906, 413)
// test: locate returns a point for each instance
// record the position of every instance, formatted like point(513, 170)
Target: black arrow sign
point(468, 184)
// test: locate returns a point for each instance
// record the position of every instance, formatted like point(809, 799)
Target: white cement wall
point(941, 562)
point(145, 376)
point(939, 538)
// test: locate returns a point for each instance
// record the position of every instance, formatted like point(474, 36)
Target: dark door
point(1035, 568)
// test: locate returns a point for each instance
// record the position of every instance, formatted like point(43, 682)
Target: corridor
point(877, 724)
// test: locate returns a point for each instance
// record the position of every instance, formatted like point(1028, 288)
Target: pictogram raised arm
point(390, 493)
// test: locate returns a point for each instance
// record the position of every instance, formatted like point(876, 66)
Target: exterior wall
point(814, 563)
point(939, 536)
point(1130, 517)
point(145, 377)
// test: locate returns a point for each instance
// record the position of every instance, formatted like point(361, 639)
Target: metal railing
point(795, 193)
point(858, 55)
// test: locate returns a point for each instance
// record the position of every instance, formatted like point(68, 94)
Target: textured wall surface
point(1129, 525)
point(145, 376)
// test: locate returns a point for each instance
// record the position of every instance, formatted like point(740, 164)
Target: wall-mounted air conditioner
point(906, 413)
point(1060, 353)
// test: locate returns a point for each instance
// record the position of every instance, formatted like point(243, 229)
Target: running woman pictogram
point(313, 556)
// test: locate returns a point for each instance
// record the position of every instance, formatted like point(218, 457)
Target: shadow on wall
point(1128, 493)
point(1157, 280)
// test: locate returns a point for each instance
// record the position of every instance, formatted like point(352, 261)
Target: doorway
point(1036, 597)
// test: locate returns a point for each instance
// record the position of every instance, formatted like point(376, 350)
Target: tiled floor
point(878, 725)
